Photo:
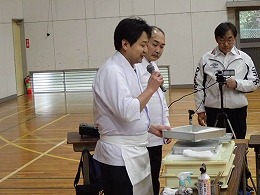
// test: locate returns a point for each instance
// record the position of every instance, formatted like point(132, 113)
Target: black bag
point(86, 130)
point(95, 186)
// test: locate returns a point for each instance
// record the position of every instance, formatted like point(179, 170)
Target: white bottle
point(204, 187)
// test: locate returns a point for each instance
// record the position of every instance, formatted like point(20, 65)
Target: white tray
point(194, 133)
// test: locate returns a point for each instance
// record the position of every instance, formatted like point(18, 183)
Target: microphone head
point(150, 68)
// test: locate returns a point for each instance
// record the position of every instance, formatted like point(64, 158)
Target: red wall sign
point(27, 43)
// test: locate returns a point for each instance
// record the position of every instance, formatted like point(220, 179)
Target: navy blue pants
point(155, 154)
point(115, 180)
point(237, 118)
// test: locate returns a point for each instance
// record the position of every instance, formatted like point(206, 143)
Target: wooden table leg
point(86, 168)
point(244, 176)
point(257, 160)
point(254, 142)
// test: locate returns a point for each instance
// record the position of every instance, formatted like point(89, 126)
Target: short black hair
point(223, 28)
point(131, 30)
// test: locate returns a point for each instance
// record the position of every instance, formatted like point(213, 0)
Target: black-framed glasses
point(223, 41)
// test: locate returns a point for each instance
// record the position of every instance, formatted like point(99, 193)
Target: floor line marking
point(36, 130)
point(32, 107)
point(30, 162)
point(34, 151)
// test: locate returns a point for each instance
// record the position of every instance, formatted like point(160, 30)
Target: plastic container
point(172, 181)
point(174, 164)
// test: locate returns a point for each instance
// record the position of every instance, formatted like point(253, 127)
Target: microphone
point(150, 69)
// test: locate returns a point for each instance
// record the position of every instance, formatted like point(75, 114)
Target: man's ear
point(125, 44)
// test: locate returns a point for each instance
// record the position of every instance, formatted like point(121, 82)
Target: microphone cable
point(193, 93)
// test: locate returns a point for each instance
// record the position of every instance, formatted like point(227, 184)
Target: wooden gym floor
point(34, 155)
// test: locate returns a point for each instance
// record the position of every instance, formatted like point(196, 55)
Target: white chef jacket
point(205, 75)
point(116, 107)
point(158, 109)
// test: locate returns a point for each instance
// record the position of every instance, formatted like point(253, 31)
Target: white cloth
point(169, 191)
point(138, 169)
point(135, 156)
point(207, 154)
point(125, 140)
point(158, 109)
point(214, 61)
point(193, 155)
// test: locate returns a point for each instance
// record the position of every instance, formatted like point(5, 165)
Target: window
point(249, 24)
point(73, 80)
point(63, 81)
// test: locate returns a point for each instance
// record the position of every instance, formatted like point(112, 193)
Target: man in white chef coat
point(158, 109)
point(121, 113)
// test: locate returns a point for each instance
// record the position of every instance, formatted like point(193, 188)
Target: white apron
point(137, 162)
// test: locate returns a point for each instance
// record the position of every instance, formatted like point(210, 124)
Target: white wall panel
point(83, 32)
point(203, 35)
point(242, 0)
point(172, 6)
point(100, 34)
point(105, 8)
point(199, 5)
point(150, 19)
point(143, 7)
point(178, 50)
point(40, 55)
point(126, 7)
point(7, 67)
point(182, 20)
point(90, 8)
point(67, 9)
point(37, 10)
point(70, 42)
point(10, 9)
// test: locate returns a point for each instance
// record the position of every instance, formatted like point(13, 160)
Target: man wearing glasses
point(240, 79)
point(220, 99)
